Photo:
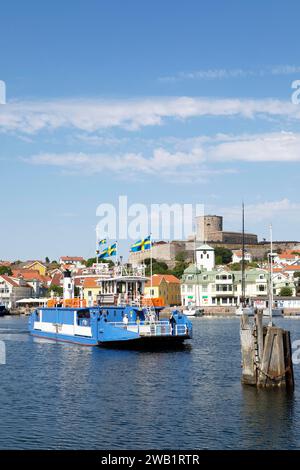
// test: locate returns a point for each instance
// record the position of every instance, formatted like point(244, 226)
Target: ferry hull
point(136, 343)
point(147, 343)
point(64, 338)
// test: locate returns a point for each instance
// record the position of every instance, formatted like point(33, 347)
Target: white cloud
point(179, 166)
point(265, 147)
point(184, 160)
point(261, 211)
point(219, 74)
point(272, 147)
point(92, 116)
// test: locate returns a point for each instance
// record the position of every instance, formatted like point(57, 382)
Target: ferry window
point(83, 318)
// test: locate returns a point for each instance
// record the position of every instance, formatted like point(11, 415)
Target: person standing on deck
point(172, 324)
point(125, 320)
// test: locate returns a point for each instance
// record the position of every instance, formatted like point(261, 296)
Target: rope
point(272, 377)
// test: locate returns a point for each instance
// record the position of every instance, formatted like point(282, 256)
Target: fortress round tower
point(209, 228)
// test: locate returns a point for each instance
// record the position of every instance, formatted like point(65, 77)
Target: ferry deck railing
point(158, 328)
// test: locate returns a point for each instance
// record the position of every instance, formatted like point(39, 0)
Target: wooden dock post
point(266, 354)
point(248, 352)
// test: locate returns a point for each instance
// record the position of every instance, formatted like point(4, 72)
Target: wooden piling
point(248, 352)
point(266, 354)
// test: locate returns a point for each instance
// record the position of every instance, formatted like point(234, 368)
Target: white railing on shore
point(159, 328)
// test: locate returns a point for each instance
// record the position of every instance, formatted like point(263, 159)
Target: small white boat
point(193, 312)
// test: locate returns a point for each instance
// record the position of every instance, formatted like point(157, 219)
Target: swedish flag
point(102, 242)
point(141, 245)
point(109, 251)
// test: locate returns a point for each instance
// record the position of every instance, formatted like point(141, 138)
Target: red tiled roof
point(289, 254)
point(56, 279)
point(157, 278)
point(71, 258)
point(291, 268)
point(30, 275)
point(90, 282)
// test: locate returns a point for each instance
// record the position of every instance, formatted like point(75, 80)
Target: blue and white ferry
point(114, 324)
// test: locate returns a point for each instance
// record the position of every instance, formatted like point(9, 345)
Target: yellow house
point(164, 286)
point(37, 266)
point(91, 290)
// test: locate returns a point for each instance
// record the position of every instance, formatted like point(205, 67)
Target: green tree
point(158, 267)
point(286, 292)
point(179, 268)
point(5, 270)
point(89, 262)
point(223, 255)
point(47, 260)
point(58, 290)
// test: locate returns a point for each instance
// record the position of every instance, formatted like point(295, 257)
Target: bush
point(223, 254)
point(286, 292)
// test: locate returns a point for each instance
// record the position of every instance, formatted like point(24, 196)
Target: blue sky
point(169, 101)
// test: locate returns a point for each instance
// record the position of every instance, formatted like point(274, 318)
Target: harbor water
point(63, 396)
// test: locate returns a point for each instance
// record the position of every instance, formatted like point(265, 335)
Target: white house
point(13, 289)
point(72, 262)
point(237, 256)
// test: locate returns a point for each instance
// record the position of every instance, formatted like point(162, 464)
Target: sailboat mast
point(243, 253)
point(271, 276)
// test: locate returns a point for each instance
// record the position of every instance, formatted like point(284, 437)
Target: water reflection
point(269, 418)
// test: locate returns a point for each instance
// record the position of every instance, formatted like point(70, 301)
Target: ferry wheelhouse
point(121, 316)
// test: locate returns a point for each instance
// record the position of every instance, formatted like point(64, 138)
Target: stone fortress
point(209, 229)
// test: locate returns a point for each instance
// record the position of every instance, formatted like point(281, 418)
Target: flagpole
point(97, 258)
point(151, 282)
